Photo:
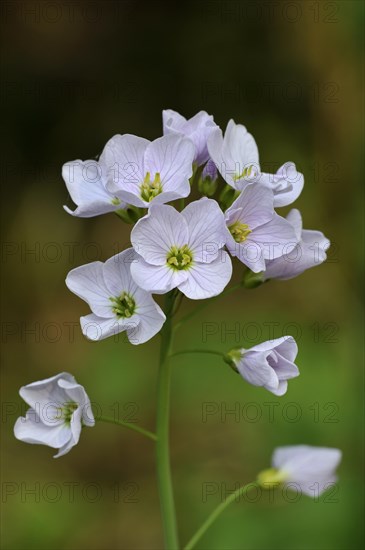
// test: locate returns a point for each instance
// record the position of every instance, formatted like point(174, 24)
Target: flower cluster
point(186, 250)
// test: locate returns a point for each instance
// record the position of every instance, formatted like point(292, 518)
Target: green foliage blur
point(75, 74)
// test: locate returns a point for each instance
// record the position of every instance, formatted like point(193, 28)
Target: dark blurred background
point(73, 75)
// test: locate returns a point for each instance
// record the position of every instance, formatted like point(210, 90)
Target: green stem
point(128, 425)
point(162, 429)
point(215, 514)
point(205, 304)
point(211, 351)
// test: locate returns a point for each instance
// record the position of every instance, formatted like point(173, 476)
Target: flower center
point(115, 201)
point(179, 258)
point(66, 411)
point(150, 189)
point(124, 305)
point(239, 231)
point(246, 172)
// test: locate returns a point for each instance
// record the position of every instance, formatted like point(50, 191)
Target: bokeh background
point(73, 75)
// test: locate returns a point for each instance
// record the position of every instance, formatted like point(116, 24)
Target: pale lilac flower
point(142, 173)
point(270, 364)
point(116, 302)
point(86, 181)
point(59, 408)
point(237, 158)
point(255, 233)
point(198, 129)
point(183, 250)
point(309, 252)
point(310, 470)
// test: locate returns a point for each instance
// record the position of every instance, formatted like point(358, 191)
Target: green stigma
point(246, 172)
point(179, 258)
point(239, 231)
point(271, 476)
point(124, 305)
point(150, 189)
point(66, 411)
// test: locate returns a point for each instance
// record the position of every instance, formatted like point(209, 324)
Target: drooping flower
point(116, 302)
point(270, 364)
point(182, 249)
point(237, 158)
point(309, 252)
point(198, 129)
point(310, 469)
point(59, 408)
point(142, 173)
point(86, 183)
point(255, 233)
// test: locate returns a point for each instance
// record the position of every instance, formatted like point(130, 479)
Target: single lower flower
point(270, 364)
point(309, 252)
point(86, 183)
point(182, 250)
point(116, 302)
point(59, 408)
point(198, 129)
point(310, 469)
point(143, 173)
point(255, 233)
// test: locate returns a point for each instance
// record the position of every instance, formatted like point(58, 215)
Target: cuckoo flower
point(182, 249)
point(59, 408)
point(86, 181)
point(116, 302)
point(309, 469)
point(270, 364)
point(198, 129)
point(255, 233)
point(236, 157)
point(309, 252)
point(142, 173)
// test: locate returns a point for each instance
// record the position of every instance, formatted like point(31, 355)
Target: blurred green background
point(75, 74)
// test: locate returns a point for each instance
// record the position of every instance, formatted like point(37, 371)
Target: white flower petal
point(39, 395)
point(172, 121)
point(171, 156)
point(254, 368)
point(287, 184)
point(254, 206)
point(158, 279)
point(207, 229)
point(285, 345)
point(98, 328)
point(151, 319)
point(154, 235)
point(207, 280)
point(87, 282)
point(117, 273)
point(308, 466)
point(275, 237)
point(85, 183)
point(123, 158)
point(32, 430)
